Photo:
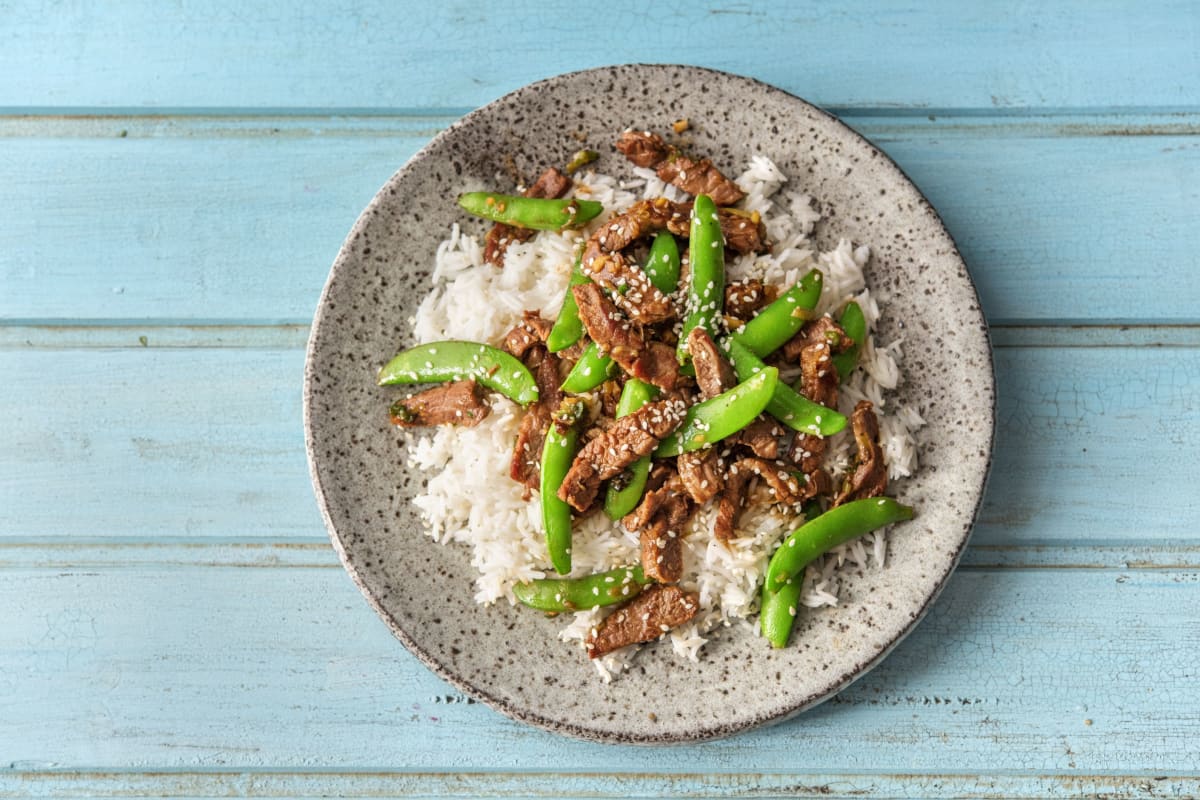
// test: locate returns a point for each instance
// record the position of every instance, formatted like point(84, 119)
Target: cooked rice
point(470, 499)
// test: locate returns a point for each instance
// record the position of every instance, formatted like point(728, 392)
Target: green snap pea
point(778, 609)
point(557, 595)
point(782, 318)
point(714, 419)
point(558, 452)
point(592, 369)
point(662, 265)
point(454, 360)
point(581, 159)
point(568, 327)
point(530, 212)
point(621, 500)
point(836, 526)
point(787, 405)
point(777, 612)
point(706, 281)
point(855, 325)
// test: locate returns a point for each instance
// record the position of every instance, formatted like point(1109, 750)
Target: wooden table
point(175, 180)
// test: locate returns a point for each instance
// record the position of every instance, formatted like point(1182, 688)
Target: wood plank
point(857, 53)
point(1055, 215)
point(144, 668)
point(179, 442)
point(847, 785)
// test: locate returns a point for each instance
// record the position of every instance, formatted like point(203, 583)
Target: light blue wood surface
point(174, 182)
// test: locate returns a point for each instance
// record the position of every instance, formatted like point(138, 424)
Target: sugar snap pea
point(854, 324)
point(455, 360)
point(557, 595)
point(706, 280)
point(662, 265)
point(712, 420)
point(558, 452)
point(777, 612)
point(568, 327)
point(836, 526)
point(787, 405)
point(530, 212)
point(592, 369)
point(782, 318)
point(620, 500)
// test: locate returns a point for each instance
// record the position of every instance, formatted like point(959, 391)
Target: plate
point(510, 657)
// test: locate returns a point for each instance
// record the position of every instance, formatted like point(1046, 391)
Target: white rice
point(470, 499)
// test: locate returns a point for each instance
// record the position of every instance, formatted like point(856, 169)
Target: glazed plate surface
point(510, 658)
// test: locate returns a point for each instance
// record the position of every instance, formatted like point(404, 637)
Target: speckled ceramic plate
point(509, 657)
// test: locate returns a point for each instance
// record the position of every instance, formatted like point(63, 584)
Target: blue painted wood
point(459, 54)
point(1060, 218)
point(174, 667)
point(174, 622)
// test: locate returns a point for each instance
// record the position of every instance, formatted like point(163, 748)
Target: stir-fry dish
point(670, 392)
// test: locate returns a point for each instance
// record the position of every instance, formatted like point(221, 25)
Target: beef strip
point(647, 149)
point(702, 473)
point(744, 298)
point(646, 617)
point(714, 374)
point(869, 478)
point(629, 438)
point(782, 487)
point(818, 376)
point(744, 232)
point(550, 184)
point(761, 437)
point(820, 330)
point(700, 177)
point(654, 363)
point(661, 518)
point(643, 148)
point(814, 346)
point(662, 542)
point(525, 467)
point(531, 330)
point(457, 403)
point(525, 342)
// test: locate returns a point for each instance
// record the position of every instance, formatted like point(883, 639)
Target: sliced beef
point(662, 542)
point(547, 369)
point(822, 330)
point(781, 486)
point(700, 177)
point(761, 437)
point(628, 439)
point(646, 617)
point(714, 374)
point(457, 403)
point(818, 376)
point(654, 363)
point(530, 331)
point(551, 184)
point(702, 473)
point(643, 148)
point(808, 451)
point(744, 233)
point(629, 284)
point(660, 519)
point(525, 467)
point(869, 478)
point(647, 149)
point(743, 299)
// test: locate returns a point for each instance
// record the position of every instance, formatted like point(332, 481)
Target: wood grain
point(374, 54)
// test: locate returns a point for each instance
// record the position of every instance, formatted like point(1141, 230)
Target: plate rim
point(701, 732)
